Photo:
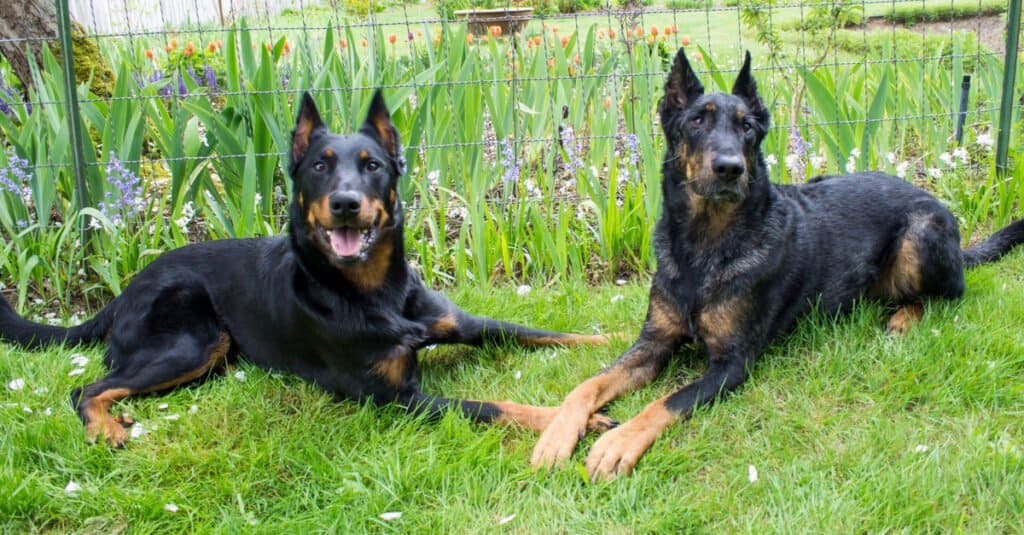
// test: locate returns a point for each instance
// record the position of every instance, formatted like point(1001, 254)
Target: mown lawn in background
point(848, 429)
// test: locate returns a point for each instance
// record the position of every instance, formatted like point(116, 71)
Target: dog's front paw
point(617, 451)
point(560, 437)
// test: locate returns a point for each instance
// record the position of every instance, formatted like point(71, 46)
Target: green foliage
point(902, 43)
point(689, 4)
point(911, 12)
point(852, 430)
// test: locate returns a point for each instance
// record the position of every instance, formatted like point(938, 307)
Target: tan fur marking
point(370, 274)
point(905, 318)
point(371, 211)
point(617, 451)
point(319, 212)
point(393, 368)
point(566, 339)
point(98, 420)
point(664, 320)
point(538, 418)
point(302, 201)
point(902, 278)
point(444, 325)
point(710, 106)
point(720, 322)
point(363, 154)
point(328, 153)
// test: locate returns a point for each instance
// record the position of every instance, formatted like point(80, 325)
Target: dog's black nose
point(727, 167)
point(344, 203)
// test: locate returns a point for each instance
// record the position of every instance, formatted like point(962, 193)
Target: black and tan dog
point(334, 301)
point(740, 259)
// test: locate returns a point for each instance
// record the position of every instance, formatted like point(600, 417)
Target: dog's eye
point(319, 167)
point(697, 120)
point(372, 165)
point(748, 126)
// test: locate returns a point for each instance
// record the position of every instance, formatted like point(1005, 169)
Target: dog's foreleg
point(495, 412)
point(617, 452)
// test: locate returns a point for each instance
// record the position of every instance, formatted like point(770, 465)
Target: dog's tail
point(996, 245)
point(17, 330)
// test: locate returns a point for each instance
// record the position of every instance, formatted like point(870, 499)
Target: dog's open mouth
point(349, 243)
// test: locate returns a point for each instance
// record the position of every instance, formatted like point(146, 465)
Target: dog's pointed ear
point(378, 125)
point(682, 86)
point(745, 87)
point(307, 122)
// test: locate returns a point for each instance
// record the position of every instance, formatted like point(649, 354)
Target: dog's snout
point(728, 167)
point(344, 203)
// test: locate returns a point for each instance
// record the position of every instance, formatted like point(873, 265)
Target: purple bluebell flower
point(16, 176)
point(509, 162)
point(573, 163)
point(182, 88)
point(125, 199)
point(210, 77)
point(796, 159)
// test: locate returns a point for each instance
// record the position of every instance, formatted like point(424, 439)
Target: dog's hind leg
point(925, 262)
point(151, 369)
point(459, 327)
point(496, 412)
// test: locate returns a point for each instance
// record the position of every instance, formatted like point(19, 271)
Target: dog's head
point(345, 186)
point(713, 139)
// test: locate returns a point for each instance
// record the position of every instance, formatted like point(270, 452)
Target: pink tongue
point(345, 241)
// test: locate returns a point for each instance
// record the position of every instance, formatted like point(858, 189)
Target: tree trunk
point(33, 24)
point(26, 24)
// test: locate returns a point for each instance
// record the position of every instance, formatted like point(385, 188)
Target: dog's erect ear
point(746, 88)
point(682, 86)
point(378, 125)
point(307, 122)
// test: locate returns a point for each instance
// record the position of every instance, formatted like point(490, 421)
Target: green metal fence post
point(1009, 77)
point(74, 118)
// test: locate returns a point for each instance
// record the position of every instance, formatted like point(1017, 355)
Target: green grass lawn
point(849, 430)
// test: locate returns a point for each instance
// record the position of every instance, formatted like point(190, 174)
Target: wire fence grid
point(129, 33)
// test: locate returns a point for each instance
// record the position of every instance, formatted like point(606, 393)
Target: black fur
point(741, 259)
point(334, 301)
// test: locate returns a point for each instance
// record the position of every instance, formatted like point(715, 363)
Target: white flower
point(240, 375)
point(855, 153)
point(174, 416)
point(16, 384)
point(79, 360)
point(921, 448)
point(891, 157)
point(137, 430)
point(518, 375)
point(171, 508)
point(390, 515)
point(770, 160)
point(76, 371)
point(434, 176)
point(523, 289)
point(934, 172)
point(506, 519)
point(192, 409)
point(817, 162)
point(901, 169)
point(72, 487)
point(751, 473)
point(946, 158)
point(616, 298)
point(985, 140)
point(851, 165)
point(960, 153)
point(791, 161)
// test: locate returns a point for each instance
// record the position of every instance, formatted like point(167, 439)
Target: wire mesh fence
point(530, 130)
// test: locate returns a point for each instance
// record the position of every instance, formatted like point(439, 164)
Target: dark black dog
point(334, 301)
point(740, 259)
